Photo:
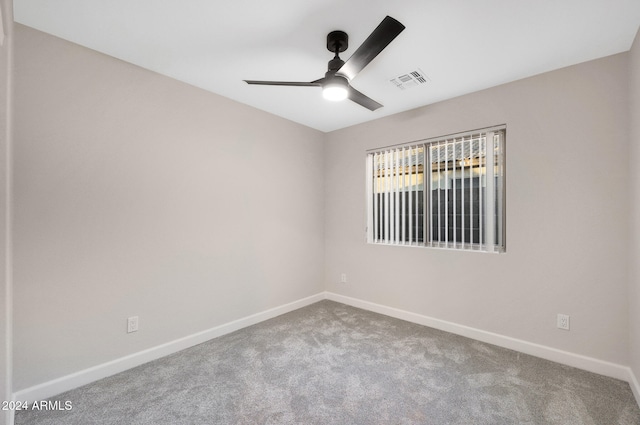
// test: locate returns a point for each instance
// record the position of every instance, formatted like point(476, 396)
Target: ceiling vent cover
point(410, 79)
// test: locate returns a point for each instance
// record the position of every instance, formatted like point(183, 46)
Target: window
point(439, 192)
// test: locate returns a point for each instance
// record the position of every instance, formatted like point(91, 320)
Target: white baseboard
point(86, 376)
point(570, 359)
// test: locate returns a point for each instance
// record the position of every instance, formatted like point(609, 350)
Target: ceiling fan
point(335, 83)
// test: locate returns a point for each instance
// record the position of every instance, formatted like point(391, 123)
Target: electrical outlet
point(343, 278)
point(132, 324)
point(563, 321)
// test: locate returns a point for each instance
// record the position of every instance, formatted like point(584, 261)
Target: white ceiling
point(461, 45)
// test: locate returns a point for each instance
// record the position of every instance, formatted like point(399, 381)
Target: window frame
point(400, 168)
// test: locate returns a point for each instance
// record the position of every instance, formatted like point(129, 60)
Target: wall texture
point(567, 214)
point(140, 195)
point(634, 252)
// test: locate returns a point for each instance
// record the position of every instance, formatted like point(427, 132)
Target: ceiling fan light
point(334, 92)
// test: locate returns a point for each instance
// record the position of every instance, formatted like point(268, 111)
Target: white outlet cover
point(563, 321)
point(132, 324)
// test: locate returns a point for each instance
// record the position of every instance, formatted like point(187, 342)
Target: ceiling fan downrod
point(337, 42)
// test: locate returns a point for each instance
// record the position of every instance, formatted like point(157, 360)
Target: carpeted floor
point(333, 364)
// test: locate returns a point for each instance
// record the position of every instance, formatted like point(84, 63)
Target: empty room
point(320, 212)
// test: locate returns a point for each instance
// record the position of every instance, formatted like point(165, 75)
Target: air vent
point(410, 79)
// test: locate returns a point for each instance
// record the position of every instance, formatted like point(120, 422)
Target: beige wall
point(140, 195)
point(634, 252)
point(567, 214)
point(5, 141)
point(5, 135)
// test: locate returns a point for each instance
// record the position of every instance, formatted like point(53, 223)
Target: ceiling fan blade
point(283, 83)
point(363, 100)
point(380, 38)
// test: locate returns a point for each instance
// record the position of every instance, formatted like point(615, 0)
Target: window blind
point(446, 192)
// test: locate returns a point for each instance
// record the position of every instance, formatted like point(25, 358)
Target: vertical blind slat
point(403, 196)
point(376, 197)
point(490, 192)
point(427, 200)
point(397, 200)
point(454, 189)
point(417, 203)
point(386, 197)
point(483, 154)
point(390, 238)
point(462, 179)
point(446, 193)
point(411, 188)
point(370, 195)
point(500, 190)
point(440, 200)
point(470, 144)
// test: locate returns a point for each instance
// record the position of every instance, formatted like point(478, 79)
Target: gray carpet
point(333, 364)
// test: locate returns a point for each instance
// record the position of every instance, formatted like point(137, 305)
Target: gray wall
point(5, 134)
point(139, 195)
point(634, 252)
point(567, 214)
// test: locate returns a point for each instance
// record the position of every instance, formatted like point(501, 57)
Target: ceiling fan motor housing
point(334, 65)
point(336, 79)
